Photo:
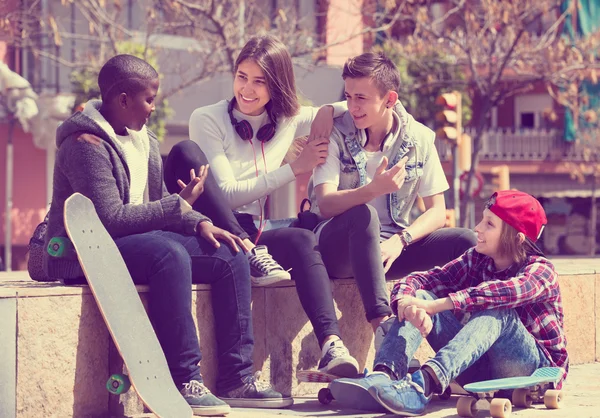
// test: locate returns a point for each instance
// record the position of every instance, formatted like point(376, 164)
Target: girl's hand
point(192, 191)
point(313, 154)
point(322, 125)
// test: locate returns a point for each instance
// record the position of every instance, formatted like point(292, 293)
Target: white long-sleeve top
point(232, 160)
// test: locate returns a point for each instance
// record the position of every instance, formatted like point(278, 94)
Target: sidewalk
point(582, 400)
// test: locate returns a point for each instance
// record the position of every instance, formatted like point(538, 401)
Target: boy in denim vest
point(380, 159)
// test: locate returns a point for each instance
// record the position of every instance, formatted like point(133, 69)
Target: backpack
point(306, 218)
point(35, 264)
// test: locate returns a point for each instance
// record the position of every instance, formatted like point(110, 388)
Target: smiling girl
point(245, 140)
point(494, 312)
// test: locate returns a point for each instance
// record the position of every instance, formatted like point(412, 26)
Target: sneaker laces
point(265, 262)
point(407, 383)
point(338, 350)
point(196, 388)
point(260, 385)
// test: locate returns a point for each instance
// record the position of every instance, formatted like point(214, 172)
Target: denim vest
point(414, 140)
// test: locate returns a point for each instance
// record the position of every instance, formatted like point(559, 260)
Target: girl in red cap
point(493, 312)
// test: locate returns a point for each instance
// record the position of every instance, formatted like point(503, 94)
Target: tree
point(423, 79)
point(582, 100)
point(503, 48)
point(85, 85)
point(194, 39)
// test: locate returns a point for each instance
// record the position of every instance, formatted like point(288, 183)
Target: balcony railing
point(520, 145)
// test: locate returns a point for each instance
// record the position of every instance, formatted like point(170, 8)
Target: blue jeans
point(169, 263)
point(493, 344)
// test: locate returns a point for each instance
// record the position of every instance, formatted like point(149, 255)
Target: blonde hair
point(511, 245)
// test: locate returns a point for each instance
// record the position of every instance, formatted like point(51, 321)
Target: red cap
point(521, 211)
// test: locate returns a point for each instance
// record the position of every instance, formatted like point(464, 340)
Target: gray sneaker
point(338, 361)
point(264, 269)
point(382, 331)
point(202, 401)
point(254, 393)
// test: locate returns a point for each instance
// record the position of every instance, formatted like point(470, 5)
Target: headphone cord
point(262, 221)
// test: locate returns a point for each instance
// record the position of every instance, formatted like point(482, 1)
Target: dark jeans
point(169, 263)
point(293, 248)
point(350, 245)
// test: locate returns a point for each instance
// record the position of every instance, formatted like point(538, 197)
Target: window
point(527, 120)
point(529, 109)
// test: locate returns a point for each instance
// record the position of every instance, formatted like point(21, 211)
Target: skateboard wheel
point(500, 408)
point(325, 396)
point(522, 398)
point(466, 406)
point(446, 395)
point(58, 246)
point(552, 398)
point(118, 384)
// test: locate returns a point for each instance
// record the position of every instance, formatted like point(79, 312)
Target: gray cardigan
point(101, 173)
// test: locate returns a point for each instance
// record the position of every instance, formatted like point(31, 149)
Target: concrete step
point(56, 352)
point(581, 400)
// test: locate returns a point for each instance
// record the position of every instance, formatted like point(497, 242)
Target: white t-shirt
point(380, 202)
point(432, 182)
point(136, 150)
point(235, 162)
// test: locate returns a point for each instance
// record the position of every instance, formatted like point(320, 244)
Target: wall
point(506, 110)
point(29, 189)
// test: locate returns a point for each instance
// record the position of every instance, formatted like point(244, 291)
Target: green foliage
point(85, 85)
point(424, 78)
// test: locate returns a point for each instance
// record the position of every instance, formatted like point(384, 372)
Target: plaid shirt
point(473, 284)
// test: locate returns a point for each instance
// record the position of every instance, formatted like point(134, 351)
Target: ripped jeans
point(493, 344)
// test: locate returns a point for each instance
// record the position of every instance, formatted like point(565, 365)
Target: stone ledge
point(64, 349)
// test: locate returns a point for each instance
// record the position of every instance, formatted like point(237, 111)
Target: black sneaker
point(338, 361)
point(264, 269)
point(254, 393)
point(203, 402)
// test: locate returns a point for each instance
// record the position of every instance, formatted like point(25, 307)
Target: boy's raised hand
point(213, 233)
point(313, 154)
point(191, 191)
point(389, 181)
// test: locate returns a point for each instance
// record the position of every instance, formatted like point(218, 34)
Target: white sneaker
point(264, 269)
